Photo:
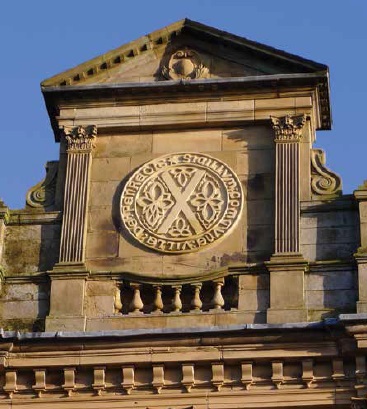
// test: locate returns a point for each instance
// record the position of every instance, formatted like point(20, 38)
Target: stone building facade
point(190, 248)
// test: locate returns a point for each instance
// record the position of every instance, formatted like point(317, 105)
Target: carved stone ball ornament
point(184, 64)
point(180, 203)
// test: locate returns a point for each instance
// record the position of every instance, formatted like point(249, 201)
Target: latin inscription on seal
point(179, 203)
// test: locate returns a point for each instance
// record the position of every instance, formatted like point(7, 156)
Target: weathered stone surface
point(102, 244)
point(125, 145)
point(187, 141)
point(109, 169)
point(331, 280)
point(248, 138)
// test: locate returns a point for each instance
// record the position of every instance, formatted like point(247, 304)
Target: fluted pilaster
point(287, 266)
point(79, 145)
point(288, 133)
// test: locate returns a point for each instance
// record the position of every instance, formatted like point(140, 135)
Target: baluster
point(176, 302)
point(136, 304)
point(99, 383)
point(246, 378)
point(69, 380)
point(218, 300)
point(307, 372)
point(158, 302)
point(196, 301)
point(40, 381)
point(10, 383)
point(117, 304)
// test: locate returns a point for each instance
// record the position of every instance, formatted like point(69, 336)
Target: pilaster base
point(68, 324)
point(68, 282)
point(361, 259)
point(278, 316)
point(287, 294)
point(361, 307)
point(66, 270)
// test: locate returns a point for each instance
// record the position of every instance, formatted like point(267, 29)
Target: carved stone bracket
point(288, 128)
point(80, 138)
point(43, 193)
point(324, 182)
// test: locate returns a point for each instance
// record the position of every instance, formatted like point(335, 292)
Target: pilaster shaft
point(361, 255)
point(79, 144)
point(287, 266)
point(288, 133)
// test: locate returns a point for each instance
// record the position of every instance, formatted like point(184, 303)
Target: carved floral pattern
point(207, 201)
point(80, 138)
point(182, 175)
point(155, 201)
point(288, 128)
point(180, 228)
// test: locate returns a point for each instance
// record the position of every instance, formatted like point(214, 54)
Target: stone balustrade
point(141, 298)
point(177, 377)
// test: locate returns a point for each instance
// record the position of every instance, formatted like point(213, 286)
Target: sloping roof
point(136, 67)
point(113, 59)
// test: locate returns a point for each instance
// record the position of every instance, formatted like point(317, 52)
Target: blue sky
point(41, 38)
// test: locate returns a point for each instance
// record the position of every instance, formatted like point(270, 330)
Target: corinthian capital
point(288, 128)
point(79, 138)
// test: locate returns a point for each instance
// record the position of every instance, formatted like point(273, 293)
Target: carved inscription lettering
point(181, 202)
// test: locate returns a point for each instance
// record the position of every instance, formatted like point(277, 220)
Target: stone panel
point(187, 141)
point(124, 145)
point(335, 235)
point(102, 193)
point(313, 252)
point(331, 280)
point(102, 244)
point(24, 309)
point(248, 138)
point(255, 161)
point(329, 219)
point(324, 299)
point(109, 169)
point(253, 300)
point(100, 219)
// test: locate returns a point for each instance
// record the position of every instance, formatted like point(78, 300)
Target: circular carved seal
point(181, 202)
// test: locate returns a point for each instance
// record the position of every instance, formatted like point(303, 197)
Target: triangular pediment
point(185, 50)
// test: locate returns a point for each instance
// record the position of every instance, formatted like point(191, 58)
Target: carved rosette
point(288, 128)
point(80, 138)
point(324, 182)
point(43, 193)
point(185, 64)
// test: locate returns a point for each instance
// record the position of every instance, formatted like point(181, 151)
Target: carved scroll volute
point(43, 193)
point(324, 182)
